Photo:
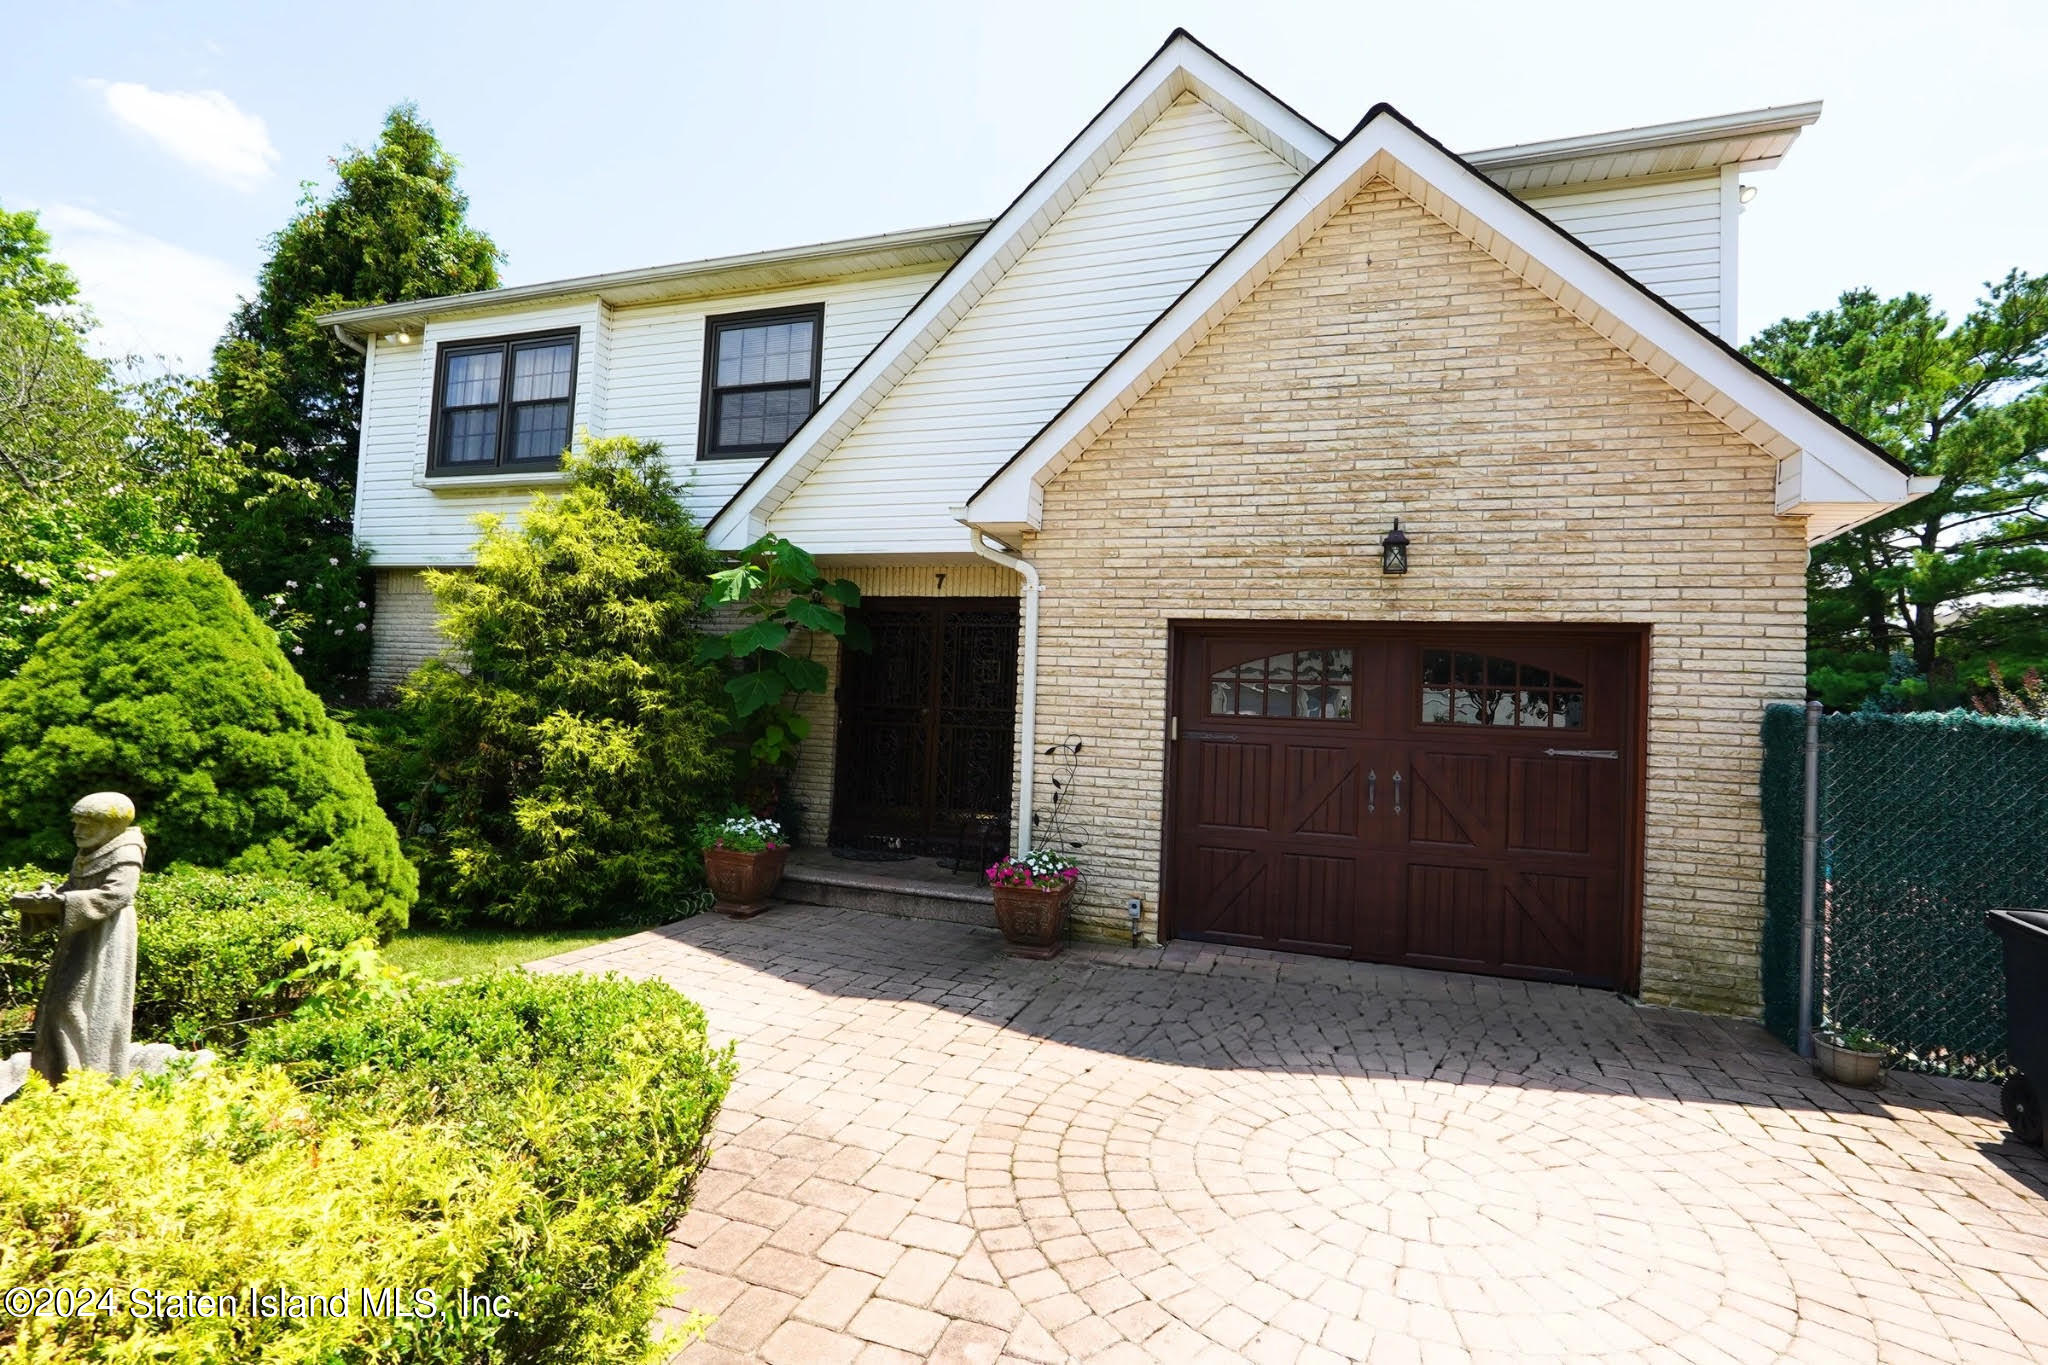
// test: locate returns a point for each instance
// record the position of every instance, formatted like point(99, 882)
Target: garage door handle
point(1583, 753)
point(1372, 786)
point(1397, 793)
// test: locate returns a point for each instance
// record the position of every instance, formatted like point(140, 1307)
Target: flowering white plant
point(1041, 867)
point(740, 834)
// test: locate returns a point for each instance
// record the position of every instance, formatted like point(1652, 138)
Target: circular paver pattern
point(1459, 1214)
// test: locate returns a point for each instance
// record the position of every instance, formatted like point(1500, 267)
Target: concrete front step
point(815, 881)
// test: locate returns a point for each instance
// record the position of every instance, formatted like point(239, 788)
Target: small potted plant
point(1031, 900)
point(1850, 1056)
point(743, 858)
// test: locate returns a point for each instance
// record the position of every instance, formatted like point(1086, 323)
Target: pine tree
point(1966, 402)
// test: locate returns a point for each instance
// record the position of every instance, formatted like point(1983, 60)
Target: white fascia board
point(1530, 245)
point(1181, 66)
point(1811, 489)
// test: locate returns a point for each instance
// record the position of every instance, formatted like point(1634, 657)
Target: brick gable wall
point(1392, 369)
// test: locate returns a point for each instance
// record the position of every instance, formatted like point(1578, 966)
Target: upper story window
point(504, 402)
point(760, 379)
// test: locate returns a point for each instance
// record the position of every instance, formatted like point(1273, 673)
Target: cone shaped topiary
point(164, 685)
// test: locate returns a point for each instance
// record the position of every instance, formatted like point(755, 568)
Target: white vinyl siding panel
point(1668, 234)
point(639, 373)
point(657, 374)
point(1153, 221)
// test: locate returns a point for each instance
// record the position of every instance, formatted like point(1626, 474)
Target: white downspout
point(345, 339)
point(1028, 684)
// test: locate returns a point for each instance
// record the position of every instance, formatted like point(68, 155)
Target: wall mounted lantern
point(1394, 550)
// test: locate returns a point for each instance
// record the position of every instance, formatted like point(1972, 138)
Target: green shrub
point(571, 752)
point(164, 685)
point(209, 948)
point(219, 1183)
point(603, 1092)
point(394, 745)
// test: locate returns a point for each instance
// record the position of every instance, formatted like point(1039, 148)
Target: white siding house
point(1128, 451)
point(639, 373)
point(1174, 171)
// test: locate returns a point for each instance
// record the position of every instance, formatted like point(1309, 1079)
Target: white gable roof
point(1826, 473)
point(1180, 68)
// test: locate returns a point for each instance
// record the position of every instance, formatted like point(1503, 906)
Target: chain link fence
point(1926, 821)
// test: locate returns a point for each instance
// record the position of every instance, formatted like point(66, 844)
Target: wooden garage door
point(1456, 797)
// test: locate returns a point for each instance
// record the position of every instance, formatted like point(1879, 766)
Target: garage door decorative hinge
point(1583, 753)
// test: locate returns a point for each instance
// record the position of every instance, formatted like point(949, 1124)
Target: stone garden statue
point(87, 1010)
point(88, 1003)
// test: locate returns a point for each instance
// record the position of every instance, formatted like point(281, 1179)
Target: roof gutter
point(1020, 829)
point(686, 279)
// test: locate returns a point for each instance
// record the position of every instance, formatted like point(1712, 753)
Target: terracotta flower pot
point(743, 882)
point(1847, 1066)
point(1033, 918)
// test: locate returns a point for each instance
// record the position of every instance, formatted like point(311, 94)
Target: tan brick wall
point(811, 783)
point(406, 632)
point(1391, 369)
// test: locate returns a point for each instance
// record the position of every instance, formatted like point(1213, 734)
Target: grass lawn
point(438, 954)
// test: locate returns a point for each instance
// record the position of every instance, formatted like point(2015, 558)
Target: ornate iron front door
point(927, 722)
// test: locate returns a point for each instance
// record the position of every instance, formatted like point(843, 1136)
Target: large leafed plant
point(787, 601)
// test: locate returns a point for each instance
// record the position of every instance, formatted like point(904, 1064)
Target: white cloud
point(200, 127)
point(153, 298)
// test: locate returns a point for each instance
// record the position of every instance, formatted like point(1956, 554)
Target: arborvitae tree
point(570, 738)
point(394, 228)
point(165, 686)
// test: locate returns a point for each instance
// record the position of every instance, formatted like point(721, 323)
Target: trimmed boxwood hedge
point(603, 1090)
point(209, 947)
point(530, 1136)
point(221, 1182)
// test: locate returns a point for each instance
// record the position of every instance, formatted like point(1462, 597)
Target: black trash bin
point(2025, 933)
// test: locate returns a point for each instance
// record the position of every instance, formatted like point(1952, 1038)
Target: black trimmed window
point(760, 380)
point(503, 403)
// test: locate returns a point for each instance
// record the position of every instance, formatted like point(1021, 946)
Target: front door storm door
point(927, 723)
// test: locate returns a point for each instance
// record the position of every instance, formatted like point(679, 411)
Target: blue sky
point(163, 142)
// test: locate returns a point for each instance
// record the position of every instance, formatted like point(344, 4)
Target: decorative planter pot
point(743, 882)
point(1033, 919)
point(1847, 1066)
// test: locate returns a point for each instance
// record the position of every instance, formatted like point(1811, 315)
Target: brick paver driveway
point(934, 1151)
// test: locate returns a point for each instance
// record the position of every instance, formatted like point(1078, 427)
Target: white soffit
point(1754, 139)
point(1648, 328)
point(1181, 66)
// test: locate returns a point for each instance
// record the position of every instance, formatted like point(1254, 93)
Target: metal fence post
point(1809, 874)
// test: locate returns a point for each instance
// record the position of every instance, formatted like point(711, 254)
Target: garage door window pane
point(1307, 684)
point(1468, 688)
